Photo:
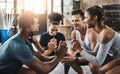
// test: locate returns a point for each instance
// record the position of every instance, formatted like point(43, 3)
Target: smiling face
point(89, 20)
point(53, 29)
point(94, 16)
point(76, 21)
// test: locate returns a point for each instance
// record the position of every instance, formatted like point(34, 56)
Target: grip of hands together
point(75, 44)
point(52, 45)
point(62, 49)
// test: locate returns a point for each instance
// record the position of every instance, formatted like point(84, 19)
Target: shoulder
point(60, 36)
point(106, 35)
point(59, 33)
point(45, 34)
point(92, 34)
point(73, 34)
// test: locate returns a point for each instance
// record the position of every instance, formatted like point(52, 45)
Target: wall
point(88, 3)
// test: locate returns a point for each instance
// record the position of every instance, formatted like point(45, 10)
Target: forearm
point(83, 61)
point(39, 47)
point(42, 57)
point(47, 52)
point(77, 68)
point(52, 64)
point(43, 67)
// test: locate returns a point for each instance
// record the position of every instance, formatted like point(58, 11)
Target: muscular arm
point(43, 58)
point(77, 68)
point(43, 68)
point(46, 67)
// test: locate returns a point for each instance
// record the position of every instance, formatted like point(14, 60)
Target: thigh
point(115, 70)
point(93, 68)
point(109, 66)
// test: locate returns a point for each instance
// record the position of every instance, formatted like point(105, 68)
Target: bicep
point(73, 35)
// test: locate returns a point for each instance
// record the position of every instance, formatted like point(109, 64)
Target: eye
point(72, 20)
point(77, 20)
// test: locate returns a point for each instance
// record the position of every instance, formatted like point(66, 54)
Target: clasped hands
point(70, 59)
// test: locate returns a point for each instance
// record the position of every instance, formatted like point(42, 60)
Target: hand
point(76, 45)
point(51, 46)
point(54, 41)
point(62, 49)
point(69, 59)
point(35, 40)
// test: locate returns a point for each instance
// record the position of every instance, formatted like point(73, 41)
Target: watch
point(77, 60)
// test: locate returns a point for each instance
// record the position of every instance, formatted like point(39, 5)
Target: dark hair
point(96, 11)
point(54, 18)
point(78, 11)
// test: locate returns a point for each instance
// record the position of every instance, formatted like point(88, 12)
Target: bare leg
point(115, 70)
point(93, 68)
point(109, 66)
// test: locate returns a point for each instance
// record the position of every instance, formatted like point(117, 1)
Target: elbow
point(99, 63)
point(46, 70)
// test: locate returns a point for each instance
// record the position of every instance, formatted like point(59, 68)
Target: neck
point(82, 30)
point(24, 34)
point(97, 28)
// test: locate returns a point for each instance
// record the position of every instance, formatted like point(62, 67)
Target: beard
point(32, 33)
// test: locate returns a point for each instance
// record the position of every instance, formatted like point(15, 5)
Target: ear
point(96, 17)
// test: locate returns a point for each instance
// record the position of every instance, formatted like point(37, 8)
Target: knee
point(100, 71)
point(93, 68)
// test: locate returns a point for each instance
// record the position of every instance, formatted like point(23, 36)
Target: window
point(8, 5)
point(39, 6)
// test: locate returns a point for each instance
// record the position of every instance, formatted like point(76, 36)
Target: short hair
point(78, 11)
point(25, 19)
point(54, 18)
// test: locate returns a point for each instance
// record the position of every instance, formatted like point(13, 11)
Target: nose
point(84, 21)
point(38, 25)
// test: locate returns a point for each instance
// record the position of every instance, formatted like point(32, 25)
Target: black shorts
point(108, 59)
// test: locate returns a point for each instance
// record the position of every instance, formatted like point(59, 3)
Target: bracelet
point(77, 60)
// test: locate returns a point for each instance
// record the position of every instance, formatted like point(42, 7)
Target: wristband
point(77, 60)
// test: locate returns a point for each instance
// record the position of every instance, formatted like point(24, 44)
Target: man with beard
point(15, 51)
